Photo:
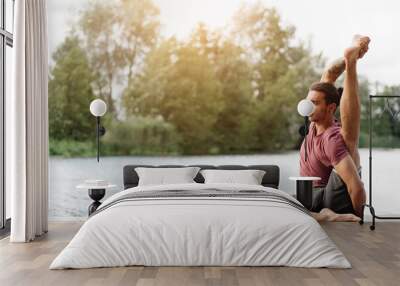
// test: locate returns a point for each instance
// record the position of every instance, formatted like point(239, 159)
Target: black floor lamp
point(369, 205)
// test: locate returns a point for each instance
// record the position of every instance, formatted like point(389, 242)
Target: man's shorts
point(334, 196)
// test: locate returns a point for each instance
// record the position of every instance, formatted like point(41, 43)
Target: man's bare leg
point(329, 215)
point(337, 67)
point(350, 102)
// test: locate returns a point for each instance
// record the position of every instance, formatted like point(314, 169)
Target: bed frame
point(270, 179)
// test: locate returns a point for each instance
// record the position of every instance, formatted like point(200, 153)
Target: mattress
point(201, 225)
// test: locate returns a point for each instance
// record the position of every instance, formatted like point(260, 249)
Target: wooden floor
point(375, 257)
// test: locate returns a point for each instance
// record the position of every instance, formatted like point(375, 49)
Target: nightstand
point(304, 192)
point(96, 193)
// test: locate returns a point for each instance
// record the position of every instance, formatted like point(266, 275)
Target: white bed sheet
point(202, 232)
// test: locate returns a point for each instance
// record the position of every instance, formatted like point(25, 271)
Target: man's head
point(326, 99)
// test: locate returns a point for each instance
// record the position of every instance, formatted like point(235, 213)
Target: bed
point(201, 224)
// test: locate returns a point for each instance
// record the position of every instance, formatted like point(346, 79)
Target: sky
point(329, 25)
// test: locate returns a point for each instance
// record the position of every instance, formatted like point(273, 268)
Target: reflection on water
point(65, 201)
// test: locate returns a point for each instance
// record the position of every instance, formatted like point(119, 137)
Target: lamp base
point(304, 193)
point(96, 195)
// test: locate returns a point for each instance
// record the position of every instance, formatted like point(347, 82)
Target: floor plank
point(374, 255)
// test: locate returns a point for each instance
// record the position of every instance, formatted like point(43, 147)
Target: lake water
point(68, 203)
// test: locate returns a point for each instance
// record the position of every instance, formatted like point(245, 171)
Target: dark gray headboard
point(270, 179)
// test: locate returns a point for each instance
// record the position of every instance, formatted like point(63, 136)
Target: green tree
point(385, 119)
point(117, 35)
point(70, 93)
point(139, 25)
point(392, 107)
point(234, 74)
point(282, 73)
point(179, 83)
point(144, 96)
point(96, 24)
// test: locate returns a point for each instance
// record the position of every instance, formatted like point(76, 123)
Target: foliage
point(216, 92)
point(282, 73)
point(183, 89)
point(70, 93)
point(117, 35)
point(72, 148)
point(218, 96)
point(141, 136)
point(385, 119)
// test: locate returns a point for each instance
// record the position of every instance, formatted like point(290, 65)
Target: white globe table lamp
point(98, 108)
point(305, 108)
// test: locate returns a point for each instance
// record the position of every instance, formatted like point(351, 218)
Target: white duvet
point(200, 231)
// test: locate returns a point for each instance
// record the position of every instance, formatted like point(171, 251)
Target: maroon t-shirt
point(323, 152)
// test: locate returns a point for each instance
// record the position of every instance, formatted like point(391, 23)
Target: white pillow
point(163, 176)
point(248, 177)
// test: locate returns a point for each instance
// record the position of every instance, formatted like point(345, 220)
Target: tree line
point(216, 92)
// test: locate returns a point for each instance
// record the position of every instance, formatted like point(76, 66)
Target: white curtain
point(27, 123)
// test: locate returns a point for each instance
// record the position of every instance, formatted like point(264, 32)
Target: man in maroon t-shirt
point(333, 147)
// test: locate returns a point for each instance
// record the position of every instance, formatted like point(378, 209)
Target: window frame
point(6, 39)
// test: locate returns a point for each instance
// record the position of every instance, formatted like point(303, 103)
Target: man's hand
point(347, 171)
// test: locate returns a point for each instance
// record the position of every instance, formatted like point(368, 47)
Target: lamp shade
point(305, 107)
point(98, 107)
